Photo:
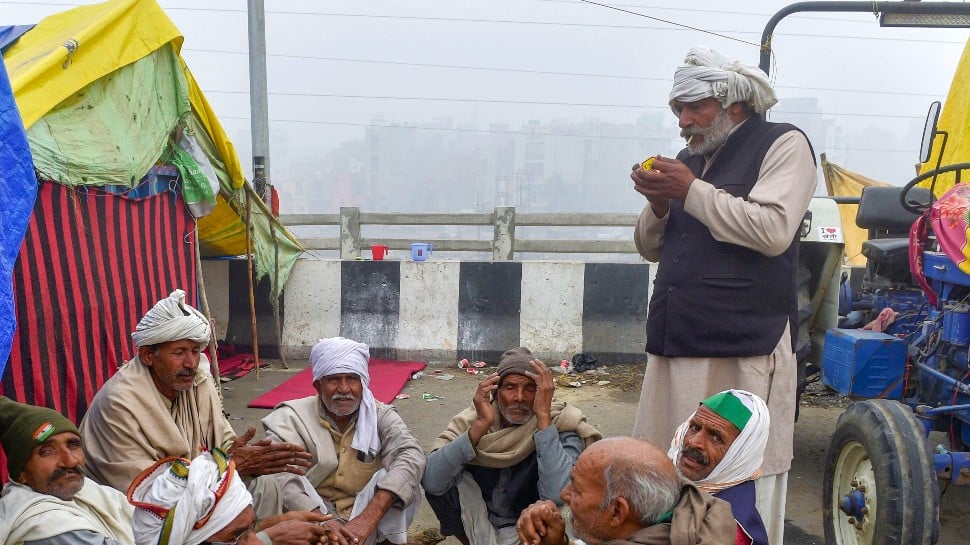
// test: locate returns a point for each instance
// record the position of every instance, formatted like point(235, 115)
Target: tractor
point(908, 370)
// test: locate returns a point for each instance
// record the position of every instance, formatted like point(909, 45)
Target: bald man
point(626, 491)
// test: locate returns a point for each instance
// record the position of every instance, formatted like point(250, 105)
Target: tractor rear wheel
point(880, 484)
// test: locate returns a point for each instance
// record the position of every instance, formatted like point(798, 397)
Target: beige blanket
point(505, 447)
point(698, 519)
point(26, 515)
point(130, 425)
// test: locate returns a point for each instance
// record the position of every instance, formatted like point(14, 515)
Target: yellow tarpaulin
point(842, 182)
point(955, 120)
point(68, 51)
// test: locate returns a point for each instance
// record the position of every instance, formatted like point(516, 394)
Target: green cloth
point(23, 427)
point(195, 184)
point(115, 129)
point(730, 408)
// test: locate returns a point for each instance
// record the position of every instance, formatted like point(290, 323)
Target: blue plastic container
point(861, 363)
point(421, 251)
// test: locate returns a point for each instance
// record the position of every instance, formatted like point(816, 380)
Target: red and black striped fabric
point(92, 263)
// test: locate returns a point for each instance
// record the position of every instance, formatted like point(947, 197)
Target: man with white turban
point(366, 463)
point(720, 448)
point(182, 502)
point(163, 403)
point(722, 220)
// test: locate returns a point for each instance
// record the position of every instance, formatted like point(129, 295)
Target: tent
point(135, 179)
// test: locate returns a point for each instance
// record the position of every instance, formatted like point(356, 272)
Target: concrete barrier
point(441, 311)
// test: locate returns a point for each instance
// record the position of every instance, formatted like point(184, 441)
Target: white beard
point(714, 134)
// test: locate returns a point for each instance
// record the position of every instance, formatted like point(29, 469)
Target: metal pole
point(905, 6)
point(259, 109)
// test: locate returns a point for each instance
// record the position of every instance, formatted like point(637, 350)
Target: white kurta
point(26, 515)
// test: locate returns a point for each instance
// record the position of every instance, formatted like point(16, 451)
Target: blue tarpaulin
point(18, 190)
point(10, 34)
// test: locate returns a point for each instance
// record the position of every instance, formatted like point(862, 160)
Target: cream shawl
point(698, 519)
point(305, 429)
point(26, 515)
point(504, 447)
point(130, 425)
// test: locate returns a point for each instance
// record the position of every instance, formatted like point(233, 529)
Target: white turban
point(171, 320)
point(178, 502)
point(339, 355)
point(706, 73)
point(742, 461)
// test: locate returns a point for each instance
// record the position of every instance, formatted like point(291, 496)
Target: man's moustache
point(58, 473)
point(340, 397)
point(695, 455)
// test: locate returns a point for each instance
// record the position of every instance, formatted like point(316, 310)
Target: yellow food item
point(647, 164)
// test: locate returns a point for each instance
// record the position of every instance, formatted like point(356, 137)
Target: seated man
point(48, 500)
point(366, 463)
point(163, 403)
point(513, 446)
point(720, 448)
point(178, 502)
point(625, 491)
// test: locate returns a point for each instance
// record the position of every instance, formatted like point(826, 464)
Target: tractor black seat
point(879, 209)
point(886, 250)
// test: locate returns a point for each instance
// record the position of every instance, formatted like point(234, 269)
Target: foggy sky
point(336, 66)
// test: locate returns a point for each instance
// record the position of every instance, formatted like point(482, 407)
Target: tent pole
point(213, 342)
point(276, 299)
point(249, 267)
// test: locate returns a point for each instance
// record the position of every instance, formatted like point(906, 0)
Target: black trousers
point(447, 507)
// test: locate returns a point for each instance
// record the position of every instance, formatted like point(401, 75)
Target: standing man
point(48, 500)
point(163, 403)
point(514, 445)
point(366, 463)
point(722, 220)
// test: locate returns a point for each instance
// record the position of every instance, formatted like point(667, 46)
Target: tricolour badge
point(43, 432)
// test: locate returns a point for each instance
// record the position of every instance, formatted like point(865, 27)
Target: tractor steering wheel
point(917, 207)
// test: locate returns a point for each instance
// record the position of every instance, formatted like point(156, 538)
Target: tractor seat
point(880, 210)
point(886, 250)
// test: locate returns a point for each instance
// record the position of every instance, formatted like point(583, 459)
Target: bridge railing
point(504, 220)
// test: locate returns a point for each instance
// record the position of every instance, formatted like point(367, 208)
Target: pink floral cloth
point(949, 218)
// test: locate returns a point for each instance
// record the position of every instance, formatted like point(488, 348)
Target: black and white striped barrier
point(441, 311)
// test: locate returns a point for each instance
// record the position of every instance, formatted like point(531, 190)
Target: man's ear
point(619, 512)
point(147, 355)
point(738, 111)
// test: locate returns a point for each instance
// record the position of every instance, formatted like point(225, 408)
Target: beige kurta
point(338, 475)
point(26, 515)
point(766, 222)
point(130, 425)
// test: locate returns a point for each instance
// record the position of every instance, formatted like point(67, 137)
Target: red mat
point(387, 378)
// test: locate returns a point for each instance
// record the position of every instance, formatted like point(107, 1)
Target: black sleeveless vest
point(715, 299)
